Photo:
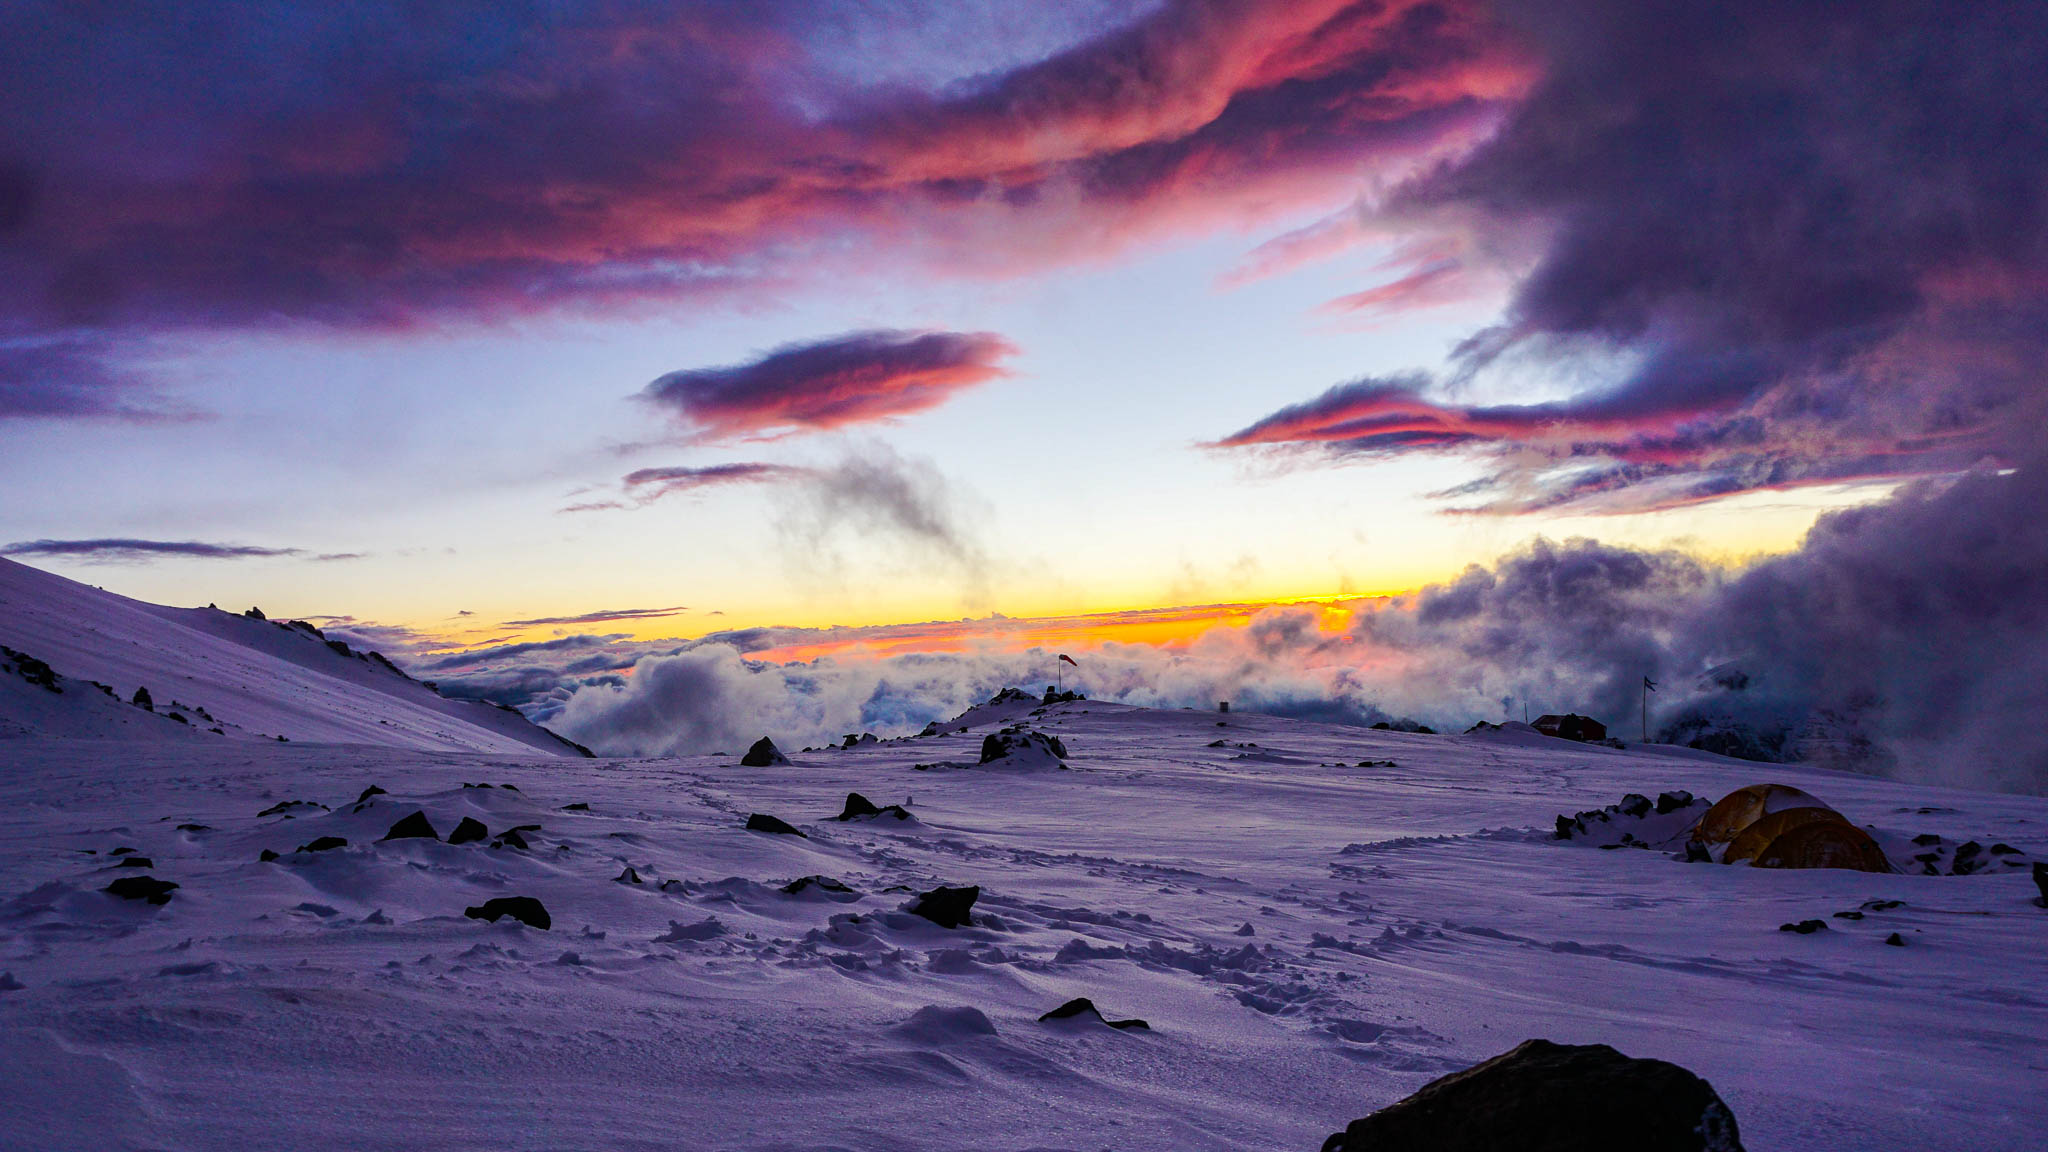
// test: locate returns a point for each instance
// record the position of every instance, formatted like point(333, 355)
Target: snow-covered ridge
point(230, 676)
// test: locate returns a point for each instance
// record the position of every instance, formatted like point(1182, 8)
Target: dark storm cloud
point(857, 378)
point(128, 549)
point(1816, 234)
point(232, 166)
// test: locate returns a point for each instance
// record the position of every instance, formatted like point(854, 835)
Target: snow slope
point(1308, 940)
point(252, 678)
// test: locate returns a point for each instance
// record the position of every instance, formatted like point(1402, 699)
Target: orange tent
point(1779, 826)
point(1745, 806)
point(1824, 844)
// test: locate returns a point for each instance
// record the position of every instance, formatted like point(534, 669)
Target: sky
point(468, 324)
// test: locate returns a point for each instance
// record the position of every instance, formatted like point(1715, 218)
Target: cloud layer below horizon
point(1907, 638)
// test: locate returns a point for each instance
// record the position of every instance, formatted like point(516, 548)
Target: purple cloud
point(124, 549)
point(858, 378)
point(597, 617)
point(244, 165)
point(1816, 234)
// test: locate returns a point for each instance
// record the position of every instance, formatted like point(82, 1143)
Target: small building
point(1571, 726)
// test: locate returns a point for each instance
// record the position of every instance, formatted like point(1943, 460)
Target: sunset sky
point(506, 321)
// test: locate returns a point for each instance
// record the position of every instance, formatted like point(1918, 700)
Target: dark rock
point(287, 807)
point(9, 984)
point(859, 806)
point(628, 876)
point(579, 806)
point(764, 754)
point(1245, 929)
point(1673, 801)
point(1084, 1008)
point(1848, 915)
point(524, 909)
point(1545, 1097)
point(1895, 940)
point(947, 907)
point(469, 831)
point(761, 822)
point(136, 862)
point(324, 844)
point(372, 790)
point(124, 850)
point(1696, 853)
point(2041, 880)
point(266, 856)
point(413, 827)
point(142, 888)
point(1926, 839)
point(1635, 804)
point(141, 700)
point(1009, 741)
point(195, 828)
point(510, 839)
point(825, 884)
point(1805, 927)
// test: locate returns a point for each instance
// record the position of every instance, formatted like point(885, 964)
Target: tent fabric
point(1779, 826)
point(1824, 844)
point(1751, 841)
point(1745, 806)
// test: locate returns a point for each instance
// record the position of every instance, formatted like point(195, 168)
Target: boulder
point(524, 909)
point(1023, 746)
point(148, 888)
point(2041, 881)
point(1082, 1008)
point(764, 754)
point(629, 876)
point(947, 907)
point(471, 829)
point(413, 827)
point(324, 844)
point(1545, 1097)
point(859, 806)
point(762, 822)
point(820, 886)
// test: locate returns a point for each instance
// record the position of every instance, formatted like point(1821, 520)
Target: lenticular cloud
point(858, 378)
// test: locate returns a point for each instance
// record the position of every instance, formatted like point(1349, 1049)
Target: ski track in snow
point(1404, 921)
